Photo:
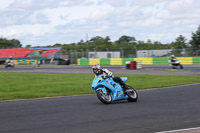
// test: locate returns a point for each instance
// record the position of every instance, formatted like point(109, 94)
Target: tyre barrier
point(139, 65)
point(26, 62)
point(144, 61)
point(133, 65)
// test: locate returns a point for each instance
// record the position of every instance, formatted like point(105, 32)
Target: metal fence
point(131, 53)
point(73, 55)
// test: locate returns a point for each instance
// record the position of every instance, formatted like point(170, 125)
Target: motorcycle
point(175, 64)
point(9, 64)
point(107, 90)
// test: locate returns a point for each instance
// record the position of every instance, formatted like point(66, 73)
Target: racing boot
point(126, 89)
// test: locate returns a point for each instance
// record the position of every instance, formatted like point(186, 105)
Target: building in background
point(104, 54)
point(153, 53)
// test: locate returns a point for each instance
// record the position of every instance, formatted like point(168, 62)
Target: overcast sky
point(46, 22)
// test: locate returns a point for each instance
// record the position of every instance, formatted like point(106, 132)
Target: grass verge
point(35, 85)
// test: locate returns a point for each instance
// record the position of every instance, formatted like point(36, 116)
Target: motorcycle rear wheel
point(104, 97)
point(132, 96)
point(181, 67)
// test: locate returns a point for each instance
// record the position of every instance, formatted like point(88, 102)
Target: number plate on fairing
point(120, 93)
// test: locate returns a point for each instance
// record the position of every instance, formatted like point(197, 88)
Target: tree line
point(13, 43)
point(99, 43)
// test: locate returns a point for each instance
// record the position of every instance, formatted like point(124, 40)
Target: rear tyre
point(173, 67)
point(104, 97)
point(132, 95)
point(181, 67)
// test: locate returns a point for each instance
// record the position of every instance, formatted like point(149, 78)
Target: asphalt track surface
point(156, 110)
point(117, 69)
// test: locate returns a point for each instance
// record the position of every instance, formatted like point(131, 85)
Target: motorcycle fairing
point(124, 79)
point(101, 88)
point(116, 91)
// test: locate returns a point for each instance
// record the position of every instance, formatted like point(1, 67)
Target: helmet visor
point(95, 70)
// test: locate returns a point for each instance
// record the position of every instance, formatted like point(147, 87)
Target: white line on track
point(180, 130)
point(43, 98)
point(169, 87)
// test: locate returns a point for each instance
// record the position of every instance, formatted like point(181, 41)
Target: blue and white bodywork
point(108, 85)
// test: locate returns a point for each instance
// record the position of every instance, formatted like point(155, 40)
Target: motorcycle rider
point(98, 71)
point(174, 62)
point(173, 58)
point(9, 61)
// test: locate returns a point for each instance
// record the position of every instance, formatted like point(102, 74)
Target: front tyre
point(132, 95)
point(104, 97)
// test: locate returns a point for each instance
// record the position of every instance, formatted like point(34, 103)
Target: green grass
point(35, 85)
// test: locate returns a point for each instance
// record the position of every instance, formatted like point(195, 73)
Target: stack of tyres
point(128, 64)
point(133, 65)
point(139, 64)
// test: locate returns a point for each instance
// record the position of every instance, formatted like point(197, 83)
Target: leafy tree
point(180, 42)
point(159, 45)
point(195, 41)
point(57, 45)
point(5, 43)
point(100, 43)
point(126, 40)
point(179, 45)
point(16, 43)
point(28, 46)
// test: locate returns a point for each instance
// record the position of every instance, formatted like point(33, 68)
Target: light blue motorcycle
point(107, 90)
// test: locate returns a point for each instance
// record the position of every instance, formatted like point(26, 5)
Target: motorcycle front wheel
point(104, 97)
point(132, 95)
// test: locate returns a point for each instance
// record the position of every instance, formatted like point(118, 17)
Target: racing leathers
point(107, 73)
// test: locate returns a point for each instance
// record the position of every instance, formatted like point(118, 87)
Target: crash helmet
point(172, 56)
point(96, 68)
point(10, 57)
